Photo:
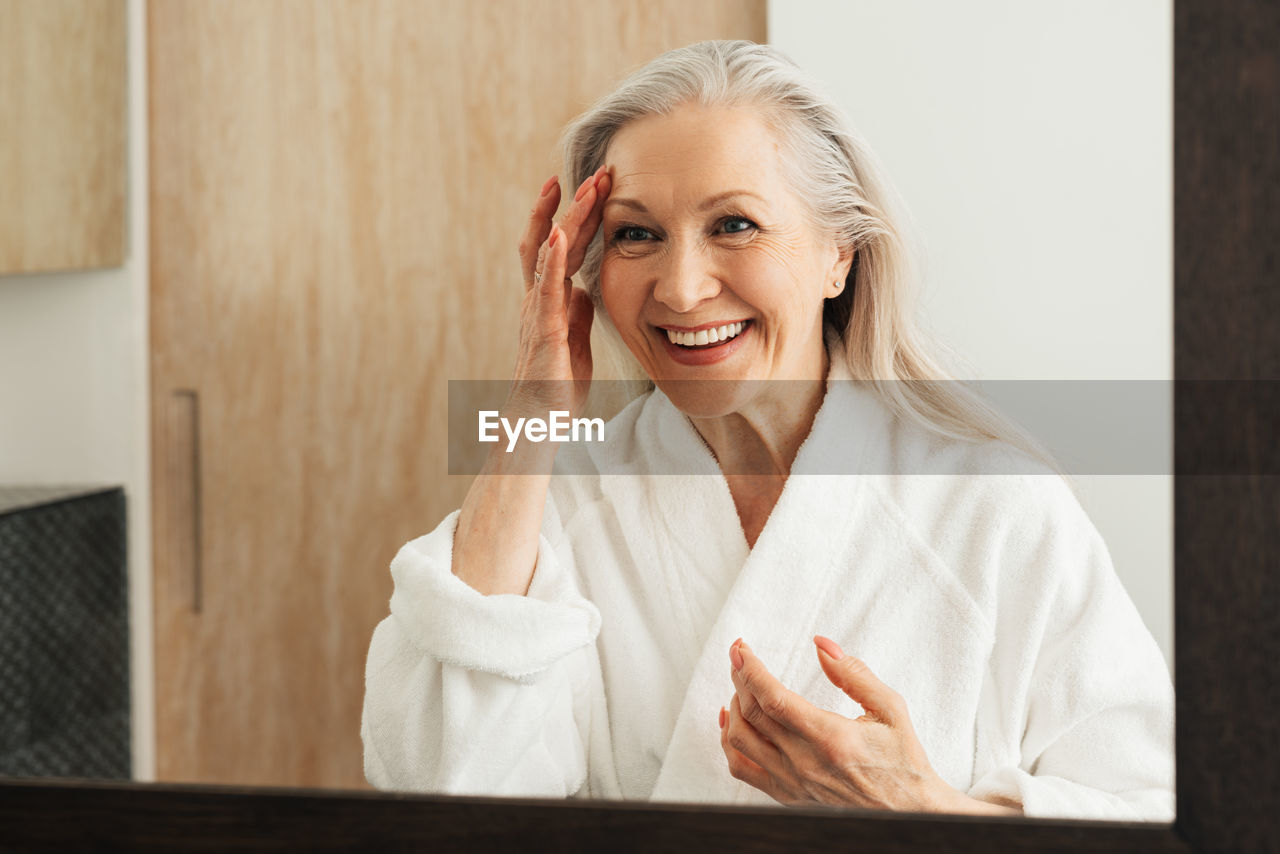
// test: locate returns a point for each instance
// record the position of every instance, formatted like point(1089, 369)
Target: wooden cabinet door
point(336, 193)
point(62, 135)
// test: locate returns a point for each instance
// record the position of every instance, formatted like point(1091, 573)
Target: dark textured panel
point(64, 638)
point(1226, 190)
point(1227, 327)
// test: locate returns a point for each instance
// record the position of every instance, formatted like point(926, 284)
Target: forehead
point(693, 153)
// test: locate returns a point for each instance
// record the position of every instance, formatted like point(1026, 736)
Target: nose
point(686, 279)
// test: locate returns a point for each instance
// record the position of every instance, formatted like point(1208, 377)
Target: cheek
point(769, 278)
point(616, 306)
point(621, 297)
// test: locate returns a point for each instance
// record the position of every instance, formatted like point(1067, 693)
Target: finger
point(538, 228)
point(736, 734)
point(773, 702)
point(581, 314)
point(748, 740)
point(550, 293)
point(579, 212)
point(753, 713)
point(587, 231)
point(742, 768)
point(854, 677)
point(539, 265)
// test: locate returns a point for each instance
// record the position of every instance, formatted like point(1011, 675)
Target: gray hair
point(848, 197)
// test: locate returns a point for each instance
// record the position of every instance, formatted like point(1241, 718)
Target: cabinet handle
point(192, 399)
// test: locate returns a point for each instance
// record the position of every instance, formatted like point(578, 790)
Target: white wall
point(74, 389)
point(1033, 143)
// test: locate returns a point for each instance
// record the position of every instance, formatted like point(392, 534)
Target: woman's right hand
point(495, 545)
point(555, 317)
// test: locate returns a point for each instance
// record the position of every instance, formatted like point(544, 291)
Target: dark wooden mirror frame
point(1227, 588)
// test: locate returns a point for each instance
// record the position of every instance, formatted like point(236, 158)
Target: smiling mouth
point(710, 337)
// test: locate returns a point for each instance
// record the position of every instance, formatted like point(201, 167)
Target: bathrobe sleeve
point(474, 694)
point(1078, 692)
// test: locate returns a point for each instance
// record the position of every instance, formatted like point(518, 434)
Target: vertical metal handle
point(189, 413)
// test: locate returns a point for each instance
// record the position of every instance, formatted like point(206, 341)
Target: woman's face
point(705, 243)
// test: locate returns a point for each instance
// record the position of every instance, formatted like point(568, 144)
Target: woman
point(584, 635)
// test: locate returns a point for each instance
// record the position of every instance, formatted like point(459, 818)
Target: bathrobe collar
point(687, 525)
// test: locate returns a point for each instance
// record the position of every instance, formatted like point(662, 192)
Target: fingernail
point(546, 188)
point(555, 233)
point(828, 646)
point(735, 656)
point(722, 717)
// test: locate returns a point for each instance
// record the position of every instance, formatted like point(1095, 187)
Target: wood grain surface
point(62, 135)
point(337, 189)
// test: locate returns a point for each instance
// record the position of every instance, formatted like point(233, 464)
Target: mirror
point(941, 150)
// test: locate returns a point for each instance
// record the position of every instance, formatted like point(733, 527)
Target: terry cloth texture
point(989, 602)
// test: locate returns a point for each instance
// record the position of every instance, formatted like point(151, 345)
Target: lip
point(714, 325)
point(706, 355)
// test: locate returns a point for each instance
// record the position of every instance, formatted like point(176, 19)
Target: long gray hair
point(848, 197)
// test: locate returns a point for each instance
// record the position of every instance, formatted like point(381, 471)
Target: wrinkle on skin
point(690, 271)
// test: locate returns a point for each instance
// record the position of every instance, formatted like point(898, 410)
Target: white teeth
point(713, 335)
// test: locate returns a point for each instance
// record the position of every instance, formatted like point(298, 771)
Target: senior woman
point(748, 629)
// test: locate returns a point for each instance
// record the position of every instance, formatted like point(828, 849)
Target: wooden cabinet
point(62, 135)
point(337, 189)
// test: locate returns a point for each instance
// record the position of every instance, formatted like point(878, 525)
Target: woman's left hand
point(796, 753)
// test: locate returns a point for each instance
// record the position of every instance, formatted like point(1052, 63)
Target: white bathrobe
point(988, 602)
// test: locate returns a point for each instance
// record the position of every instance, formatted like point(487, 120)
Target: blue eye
point(738, 225)
point(632, 233)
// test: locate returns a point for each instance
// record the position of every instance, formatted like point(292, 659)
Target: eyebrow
point(635, 204)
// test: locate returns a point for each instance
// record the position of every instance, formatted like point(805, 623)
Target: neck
point(764, 438)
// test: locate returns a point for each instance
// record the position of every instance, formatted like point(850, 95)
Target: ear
point(839, 270)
